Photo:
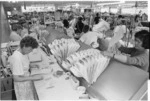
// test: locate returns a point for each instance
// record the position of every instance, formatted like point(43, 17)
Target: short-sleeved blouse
point(20, 67)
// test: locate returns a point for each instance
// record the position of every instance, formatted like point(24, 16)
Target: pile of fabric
point(88, 64)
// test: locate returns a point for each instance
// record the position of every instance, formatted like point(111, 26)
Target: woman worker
point(139, 55)
point(19, 62)
point(15, 33)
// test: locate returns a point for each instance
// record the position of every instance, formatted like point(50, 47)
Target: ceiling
point(59, 3)
point(65, 3)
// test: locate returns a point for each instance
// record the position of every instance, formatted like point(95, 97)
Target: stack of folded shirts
point(88, 64)
point(78, 56)
point(63, 48)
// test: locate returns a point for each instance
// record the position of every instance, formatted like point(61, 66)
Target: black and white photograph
point(74, 50)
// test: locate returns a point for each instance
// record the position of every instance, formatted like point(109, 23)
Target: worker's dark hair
point(28, 41)
point(66, 23)
point(85, 29)
point(80, 19)
point(120, 16)
point(143, 35)
point(136, 16)
point(97, 14)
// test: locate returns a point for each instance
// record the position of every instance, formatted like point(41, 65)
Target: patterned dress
point(20, 67)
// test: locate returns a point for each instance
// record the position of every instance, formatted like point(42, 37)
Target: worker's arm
point(19, 78)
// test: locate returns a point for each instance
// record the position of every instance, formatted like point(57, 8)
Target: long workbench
point(117, 82)
point(55, 88)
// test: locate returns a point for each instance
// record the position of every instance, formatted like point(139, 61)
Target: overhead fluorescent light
point(103, 4)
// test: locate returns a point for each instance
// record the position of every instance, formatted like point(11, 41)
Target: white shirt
point(90, 37)
point(19, 63)
point(101, 26)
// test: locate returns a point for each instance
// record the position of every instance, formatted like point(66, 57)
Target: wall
point(0, 23)
point(5, 29)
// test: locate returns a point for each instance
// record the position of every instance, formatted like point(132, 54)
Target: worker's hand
point(94, 44)
point(37, 77)
point(106, 53)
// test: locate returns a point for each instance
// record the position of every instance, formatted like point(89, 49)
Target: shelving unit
point(7, 89)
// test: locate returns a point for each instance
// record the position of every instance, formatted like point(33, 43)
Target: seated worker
point(137, 56)
point(79, 26)
point(15, 34)
point(20, 66)
point(90, 38)
point(96, 19)
point(85, 29)
point(68, 30)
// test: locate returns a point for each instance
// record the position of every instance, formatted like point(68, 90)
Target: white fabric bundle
point(63, 48)
point(88, 64)
point(90, 37)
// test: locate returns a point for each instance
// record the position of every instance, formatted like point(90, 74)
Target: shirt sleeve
point(82, 39)
point(17, 67)
point(139, 61)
